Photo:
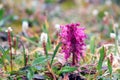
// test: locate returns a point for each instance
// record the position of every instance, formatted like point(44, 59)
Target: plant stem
point(10, 46)
point(26, 60)
point(74, 59)
point(51, 71)
point(14, 44)
point(45, 49)
point(24, 54)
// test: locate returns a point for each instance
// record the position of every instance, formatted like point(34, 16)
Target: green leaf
point(1, 62)
point(30, 74)
point(102, 55)
point(44, 29)
point(109, 66)
point(48, 43)
point(55, 52)
point(29, 11)
point(101, 14)
point(5, 54)
point(1, 13)
point(49, 1)
point(39, 60)
point(67, 69)
point(2, 50)
point(92, 45)
point(1, 29)
point(36, 55)
point(5, 19)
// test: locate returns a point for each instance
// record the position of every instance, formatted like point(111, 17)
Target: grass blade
point(102, 55)
point(92, 45)
point(67, 69)
point(55, 52)
point(2, 50)
point(39, 60)
point(109, 66)
point(24, 54)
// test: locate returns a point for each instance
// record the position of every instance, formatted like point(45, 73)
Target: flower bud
point(25, 27)
point(112, 35)
point(9, 29)
point(57, 27)
point(43, 37)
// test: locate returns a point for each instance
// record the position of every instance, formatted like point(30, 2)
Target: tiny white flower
point(106, 13)
point(9, 29)
point(24, 25)
point(43, 37)
point(116, 25)
point(112, 35)
point(108, 2)
point(57, 27)
point(95, 12)
point(12, 50)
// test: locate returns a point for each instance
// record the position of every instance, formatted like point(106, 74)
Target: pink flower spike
point(73, 41)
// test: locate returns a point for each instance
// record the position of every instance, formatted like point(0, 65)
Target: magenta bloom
point(73, 40)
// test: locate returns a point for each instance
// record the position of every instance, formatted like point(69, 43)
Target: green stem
point(24, 54)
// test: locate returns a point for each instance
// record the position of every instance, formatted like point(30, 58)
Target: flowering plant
point(73, 41)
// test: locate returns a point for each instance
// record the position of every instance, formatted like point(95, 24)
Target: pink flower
point(73, 40)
